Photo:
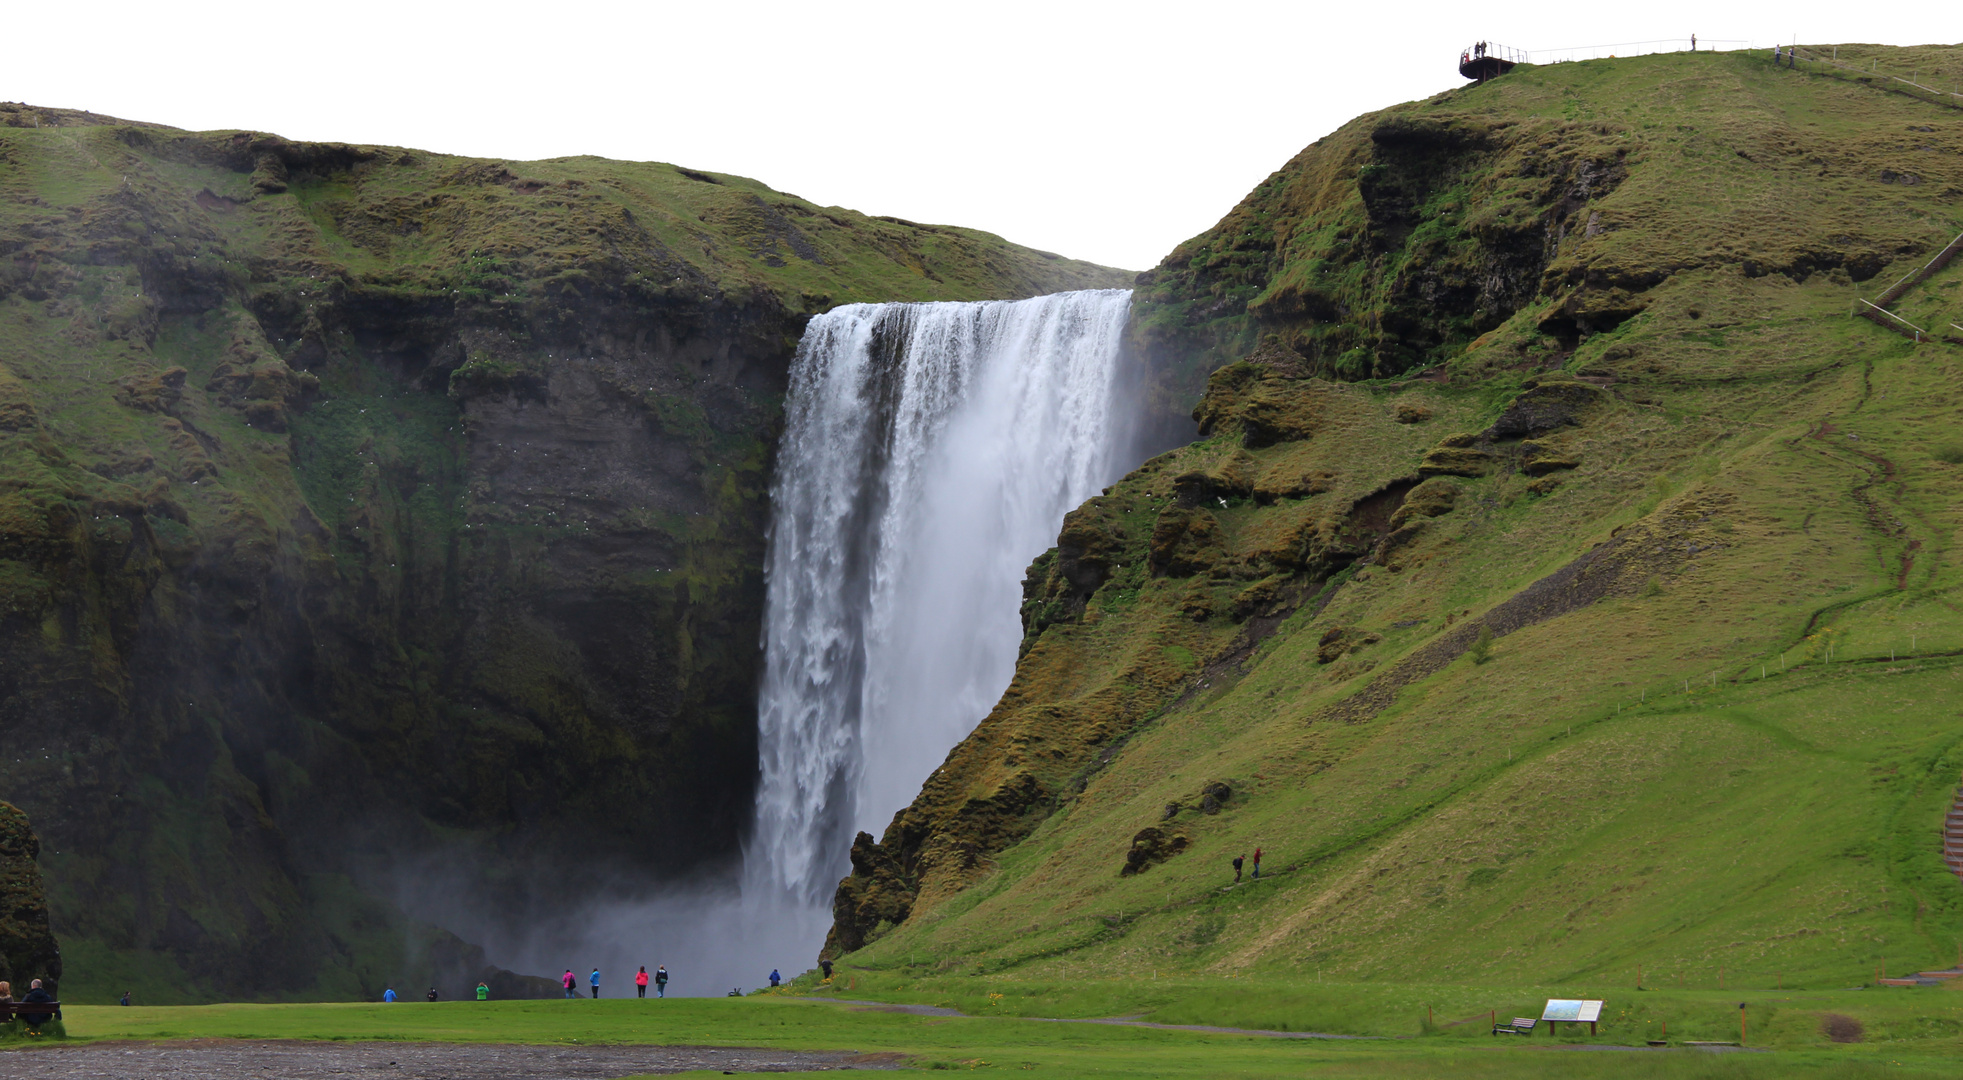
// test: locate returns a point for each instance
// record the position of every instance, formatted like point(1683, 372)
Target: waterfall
point(930, 452)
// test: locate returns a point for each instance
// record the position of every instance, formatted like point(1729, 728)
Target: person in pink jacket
point(641, 982)
point(569, 982)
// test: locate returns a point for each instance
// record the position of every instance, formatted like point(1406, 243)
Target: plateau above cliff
point(1563, 583)
point(380, 526)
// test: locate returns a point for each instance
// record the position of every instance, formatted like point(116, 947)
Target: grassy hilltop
point(1563, 591)
point(363, 507)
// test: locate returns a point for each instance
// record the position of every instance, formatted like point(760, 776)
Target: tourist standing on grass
point(1257, 864)
point(774, 977)
point(595, 980)
point(431, 996)
point(1237, 869)
point(641, 982)
point(661, 980)
point(569, 982)
point(126, 998)
point(388, 993)
point(483, 992)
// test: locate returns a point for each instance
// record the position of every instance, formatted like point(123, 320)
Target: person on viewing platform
point(595, 980)
point(483, 992)
point(388, 993)
point(774, 977)
point(569, 982)
point(661, 980)
point(641, 982)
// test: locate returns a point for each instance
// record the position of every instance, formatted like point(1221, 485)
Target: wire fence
point(1633, 48)
point(1826, 59)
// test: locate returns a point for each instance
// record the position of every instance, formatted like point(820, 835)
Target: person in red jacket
point(1257, 864)
point(641, 982)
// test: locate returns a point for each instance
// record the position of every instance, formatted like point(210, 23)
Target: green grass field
point(1908, 1033)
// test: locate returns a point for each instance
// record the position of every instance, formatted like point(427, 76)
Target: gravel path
point(225, 1059)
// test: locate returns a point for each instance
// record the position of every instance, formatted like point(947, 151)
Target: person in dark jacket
point(125, 1000)
point(774, 977)
point(35, 996)
point(1238, 860)
point(431, 996)
point(826, 967)
point(661, 980)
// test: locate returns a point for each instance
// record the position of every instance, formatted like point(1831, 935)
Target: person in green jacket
point(483, 992)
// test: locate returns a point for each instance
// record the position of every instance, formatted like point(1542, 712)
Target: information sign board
point(1585, 1012)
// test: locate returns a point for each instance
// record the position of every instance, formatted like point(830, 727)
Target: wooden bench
point(1521, 1025)
point(43, 1011)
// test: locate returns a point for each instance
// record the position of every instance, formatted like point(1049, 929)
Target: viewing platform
point(1485, 59)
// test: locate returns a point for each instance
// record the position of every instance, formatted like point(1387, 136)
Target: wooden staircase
point(1953, 835)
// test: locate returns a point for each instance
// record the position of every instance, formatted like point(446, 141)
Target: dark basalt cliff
point(27, 947)
point(365, 511)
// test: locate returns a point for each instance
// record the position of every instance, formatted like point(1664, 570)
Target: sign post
point(1571, 1011)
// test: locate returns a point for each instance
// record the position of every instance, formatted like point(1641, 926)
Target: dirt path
point(227, 1059)
point(1118, 1021)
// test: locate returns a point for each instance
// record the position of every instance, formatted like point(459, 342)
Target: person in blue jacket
point(595, 980)
point(388, 993)
point(774, 977)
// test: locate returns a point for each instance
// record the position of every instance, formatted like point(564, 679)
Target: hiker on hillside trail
point(1257, 864)
point(1237, 869)
point(641, 982)
point(595, 980)
point(661, 980)
point(774, 977)
point(569, 982)
point(826, 967)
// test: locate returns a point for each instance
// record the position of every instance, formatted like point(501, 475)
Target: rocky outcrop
point(369, 511)
point(27, 946)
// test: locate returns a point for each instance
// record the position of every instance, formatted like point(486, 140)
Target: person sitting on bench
point(35, 1018)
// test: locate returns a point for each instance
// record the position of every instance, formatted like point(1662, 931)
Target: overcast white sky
point(1104, 131)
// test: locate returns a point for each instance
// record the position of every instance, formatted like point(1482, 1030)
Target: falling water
point(930, 452)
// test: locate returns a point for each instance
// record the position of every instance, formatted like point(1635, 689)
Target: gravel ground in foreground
point(223, 1059)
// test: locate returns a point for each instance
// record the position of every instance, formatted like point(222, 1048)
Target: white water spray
point(930, 452)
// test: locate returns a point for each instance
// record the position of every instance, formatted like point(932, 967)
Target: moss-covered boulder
point(28, 949)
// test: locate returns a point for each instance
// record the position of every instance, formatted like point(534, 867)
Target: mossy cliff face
point(27, 947)
point(1517, 663)
point(365, 511)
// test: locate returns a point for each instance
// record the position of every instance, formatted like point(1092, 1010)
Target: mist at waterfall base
point(930, 452)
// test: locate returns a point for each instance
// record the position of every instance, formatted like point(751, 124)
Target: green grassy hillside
point(364, 510)
point(1613, 631)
